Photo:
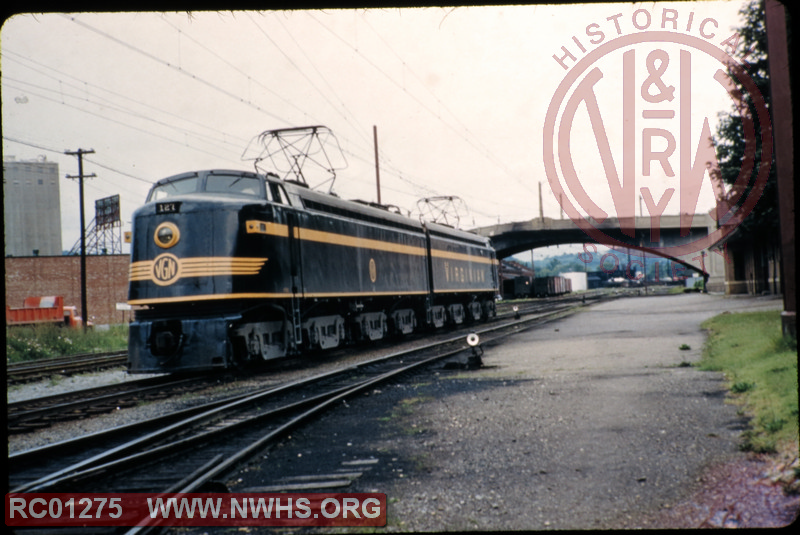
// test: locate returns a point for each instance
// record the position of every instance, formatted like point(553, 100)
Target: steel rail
point(216, 469)
point(21, 372)
point(20, 420)
point(106, 460)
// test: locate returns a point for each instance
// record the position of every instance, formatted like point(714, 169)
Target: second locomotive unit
point(234, 267)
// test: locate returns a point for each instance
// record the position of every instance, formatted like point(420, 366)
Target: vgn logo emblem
point(623, 115)
point(166, 269)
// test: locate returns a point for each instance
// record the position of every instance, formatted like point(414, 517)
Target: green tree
point(730, 139)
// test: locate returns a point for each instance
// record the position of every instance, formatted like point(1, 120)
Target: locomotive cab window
point(173, 188)
point(234, 184)
point(277, 194)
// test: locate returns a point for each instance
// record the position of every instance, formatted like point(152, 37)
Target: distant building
point(580, 280)
point(31, 208)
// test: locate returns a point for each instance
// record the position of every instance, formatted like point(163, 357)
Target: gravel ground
point(594, 421)
point(60, 384)
point(591, 422)
point(290, 370)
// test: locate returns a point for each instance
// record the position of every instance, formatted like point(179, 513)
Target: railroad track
point(193, 451)
point(506, 310)
point(29, 415)
point(23, 372)
point(37, 413)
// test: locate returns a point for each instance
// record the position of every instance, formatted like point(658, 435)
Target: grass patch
point(402, 415)
point(49, 341)
point(761, 368)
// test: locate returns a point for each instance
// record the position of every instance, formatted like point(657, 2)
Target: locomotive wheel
point(240, 359)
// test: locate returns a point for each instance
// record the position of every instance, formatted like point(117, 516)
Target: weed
point(47, 341)
point(741, 387)
point(403, 411)
point(422, 462)
point(761, 366)
point(55, 380)
point(757, 442)
point(773, 425)
point(685, 347)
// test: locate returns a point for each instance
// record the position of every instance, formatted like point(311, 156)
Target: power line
point(232, 66)
point(107, 187)
point(359, 128)
point(22, 61)
point(126, 125)
point(491, 157)
point(176, 68)
point(422, 84)
point(331, 102)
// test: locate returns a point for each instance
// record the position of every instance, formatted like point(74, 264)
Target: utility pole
point(79, 153)
point(541, 208)
point(377, 167)
point(533, 269)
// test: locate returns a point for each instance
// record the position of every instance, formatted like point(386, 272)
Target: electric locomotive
point(230, 267)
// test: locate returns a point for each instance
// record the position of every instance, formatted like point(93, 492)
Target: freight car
point(517, 288)
point(230, 268)
point(551, 286)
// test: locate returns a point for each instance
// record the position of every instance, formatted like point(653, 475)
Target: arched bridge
point(511, 238)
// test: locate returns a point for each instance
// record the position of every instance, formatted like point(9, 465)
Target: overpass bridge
point(636, 233)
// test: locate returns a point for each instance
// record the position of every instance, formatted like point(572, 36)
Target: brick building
point(106, 282)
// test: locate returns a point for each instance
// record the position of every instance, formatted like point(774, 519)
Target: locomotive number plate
point(168, 207)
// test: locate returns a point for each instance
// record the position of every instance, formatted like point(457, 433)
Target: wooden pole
point(781, 97)
point(79, 153)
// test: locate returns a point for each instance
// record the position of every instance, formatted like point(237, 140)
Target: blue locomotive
point(229, 268)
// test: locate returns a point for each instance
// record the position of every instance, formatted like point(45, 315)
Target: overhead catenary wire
point(106, 118)
point(488, 154)
point(82, 85)
point(232, 66)
point(177, 68)
point(213, 143)
point(102, 184)
point(340, 109)
point(151, 113)
point(443, 105)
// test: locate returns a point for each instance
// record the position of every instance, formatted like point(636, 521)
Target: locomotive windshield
point(180, 186)
point(232, 184)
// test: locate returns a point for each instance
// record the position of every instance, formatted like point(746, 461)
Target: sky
point(458, 97)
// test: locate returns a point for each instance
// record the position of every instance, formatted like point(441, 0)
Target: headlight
point(166, 235)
